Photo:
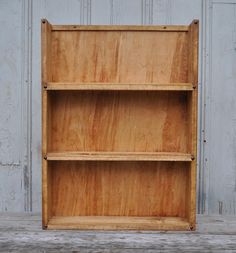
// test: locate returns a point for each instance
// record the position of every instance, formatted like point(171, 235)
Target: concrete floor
point(23, 233)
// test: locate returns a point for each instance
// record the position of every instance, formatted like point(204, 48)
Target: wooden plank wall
point(20, 99)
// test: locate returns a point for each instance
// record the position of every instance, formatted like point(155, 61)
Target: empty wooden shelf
point(119, 156)
point(119, 107)
point(118, 222)
point(119, 86)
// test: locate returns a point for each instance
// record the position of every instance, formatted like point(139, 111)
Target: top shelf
point(160, 28)
point(120, 86)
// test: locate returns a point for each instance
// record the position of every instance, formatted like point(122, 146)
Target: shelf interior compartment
point(112, 188)
point(118, 121)
point(119, 56)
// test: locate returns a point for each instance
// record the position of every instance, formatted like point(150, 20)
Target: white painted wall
point(14, 158)
point(20, 80)
point(220, 111)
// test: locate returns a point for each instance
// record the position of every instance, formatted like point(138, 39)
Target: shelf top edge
point(164, 28)
point(112, 83)
point(117, 86)
point(119, 156)
point(118, 153)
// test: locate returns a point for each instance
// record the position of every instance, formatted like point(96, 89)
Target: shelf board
point(160, 28)
point(119, 156)
point(118, 222)
point(119, 86)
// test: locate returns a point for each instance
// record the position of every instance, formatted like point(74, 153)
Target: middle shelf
point(120, 86)
point(119, 156)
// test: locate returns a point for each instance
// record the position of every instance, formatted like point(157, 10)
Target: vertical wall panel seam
point(147, 12)
point(26, 102)
point(151, 12)
point(208, 102)
point(169, 12)
point(81, 12)
point(89, 12)
point(111, 12)
point(23, 142)
point(206, 173)
point(201, 167)
point(201, 188)
point(142, 13)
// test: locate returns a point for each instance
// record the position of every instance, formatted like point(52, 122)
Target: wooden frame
point(119, 131)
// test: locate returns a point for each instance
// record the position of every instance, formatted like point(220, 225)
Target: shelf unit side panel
point(192, 117)
point(46, 30)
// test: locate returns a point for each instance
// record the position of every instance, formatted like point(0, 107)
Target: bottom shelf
point(118, 222)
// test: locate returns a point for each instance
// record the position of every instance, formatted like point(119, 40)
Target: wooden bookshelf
point(119, 131)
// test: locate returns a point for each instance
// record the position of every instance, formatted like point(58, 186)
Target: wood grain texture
point(119, 156)
point(171, 28)
point(46, 74)
point(119, 86)
point(119, 57)
point(193, 114)
point(119, 121)
point(119, 188)
point(118, 222)
point(22, 233)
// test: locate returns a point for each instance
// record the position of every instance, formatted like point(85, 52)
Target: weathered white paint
point(58, 12)
point(220, 121)
point(11, 114)
point(20, 98)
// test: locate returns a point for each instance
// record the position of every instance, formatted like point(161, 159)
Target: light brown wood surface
point(171, 28)
point(120, 86)
point(119, 121)
point(46, 76)
point(117, 222)
point(120, 56)
point(119, 126)
point(120, 156)
point(119, 188)
point(192, 113)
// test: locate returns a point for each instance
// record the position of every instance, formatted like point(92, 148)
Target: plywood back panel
point(119, 56)
point(119, 188)
point(119, 121)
